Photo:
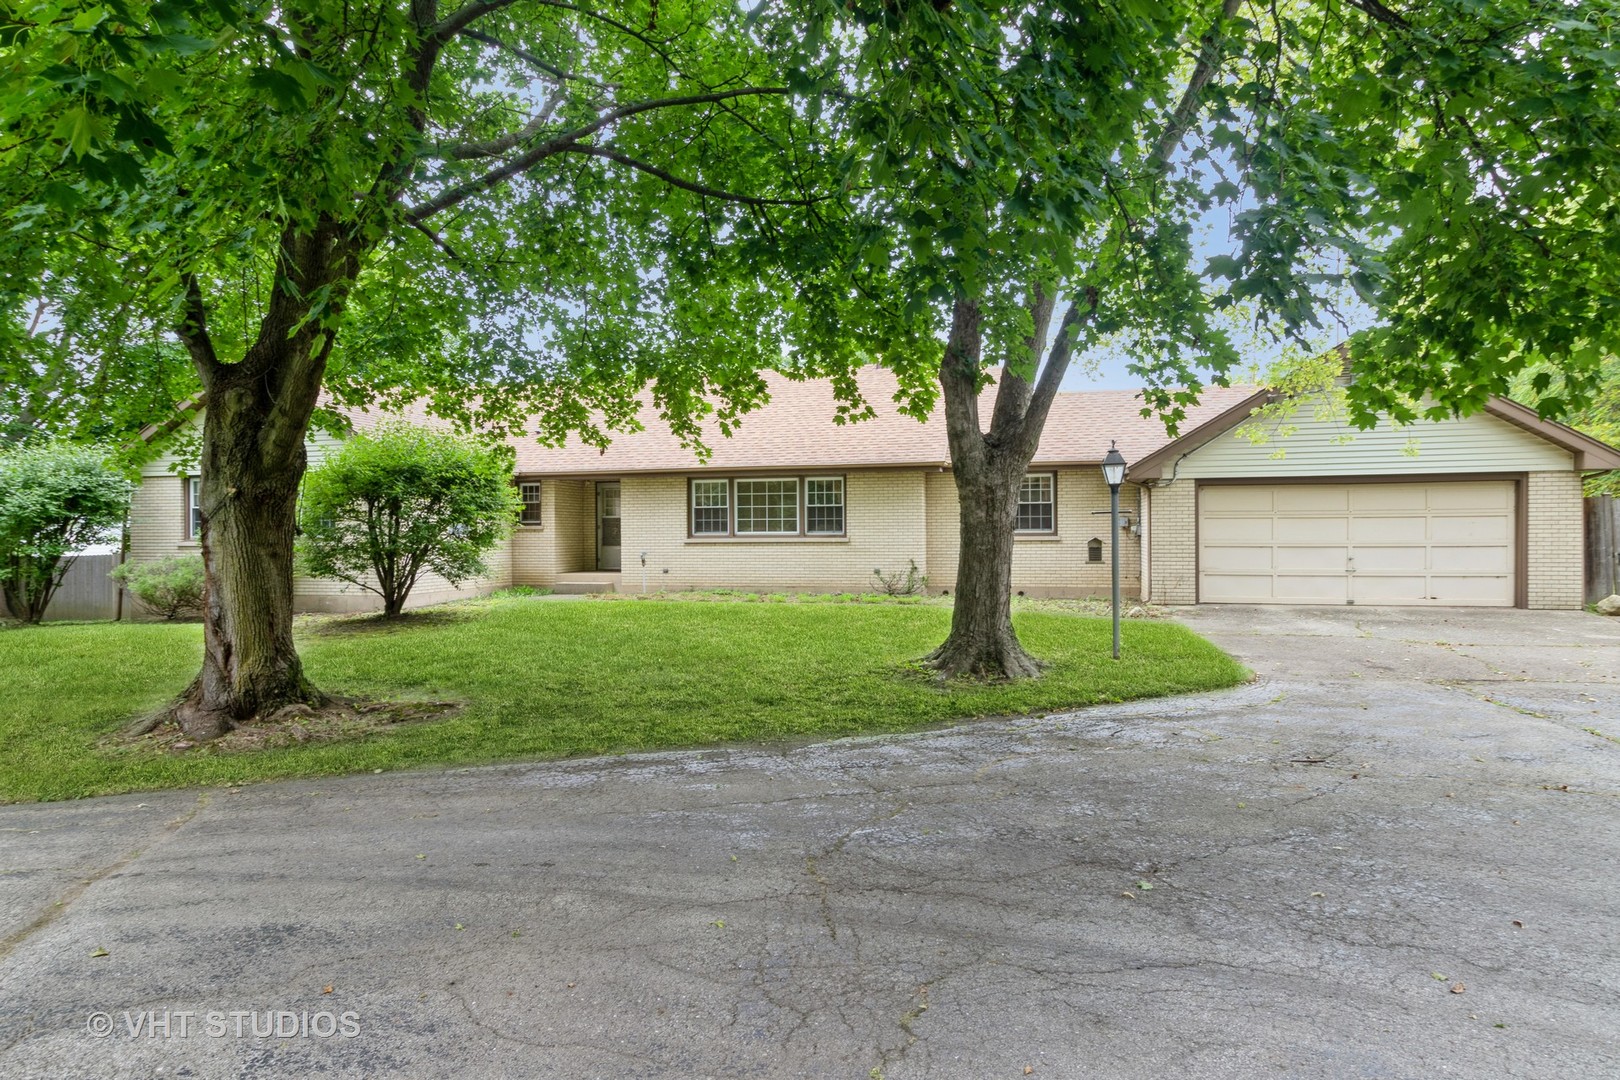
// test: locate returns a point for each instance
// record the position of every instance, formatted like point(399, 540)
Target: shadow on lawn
point(378, 623)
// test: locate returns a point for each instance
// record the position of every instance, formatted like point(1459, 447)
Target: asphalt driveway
point(1395, 855)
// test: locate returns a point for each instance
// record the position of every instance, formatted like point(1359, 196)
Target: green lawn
point(546, 678)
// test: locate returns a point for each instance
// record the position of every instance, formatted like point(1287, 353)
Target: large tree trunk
point(252, 462)
point(256, 419)
point(989, 467)
point(982, 644)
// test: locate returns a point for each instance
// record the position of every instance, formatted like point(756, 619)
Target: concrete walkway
point(1290, 880)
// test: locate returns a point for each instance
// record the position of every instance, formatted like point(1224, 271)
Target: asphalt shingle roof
point(797, 430)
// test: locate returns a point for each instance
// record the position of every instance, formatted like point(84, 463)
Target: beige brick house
point(1480, 511)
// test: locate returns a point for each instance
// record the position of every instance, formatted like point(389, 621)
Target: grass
point(557, 678)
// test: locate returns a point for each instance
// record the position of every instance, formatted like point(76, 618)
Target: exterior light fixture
point(1113, 467)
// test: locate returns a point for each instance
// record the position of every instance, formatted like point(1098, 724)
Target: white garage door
point(1399, 544)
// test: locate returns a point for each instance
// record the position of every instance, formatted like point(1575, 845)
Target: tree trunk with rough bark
point(257, 414)
point(989, 467)
point(982, 644)
point(252, 462)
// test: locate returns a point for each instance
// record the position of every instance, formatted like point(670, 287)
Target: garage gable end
point(1319, 445)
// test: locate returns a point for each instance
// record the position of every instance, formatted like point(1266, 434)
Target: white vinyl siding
point(1476, 444)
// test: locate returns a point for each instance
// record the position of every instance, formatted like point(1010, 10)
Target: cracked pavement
point(1287, 879)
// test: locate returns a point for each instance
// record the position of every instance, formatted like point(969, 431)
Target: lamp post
point(1113, 467)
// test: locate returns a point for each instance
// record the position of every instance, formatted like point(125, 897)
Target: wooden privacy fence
point(86, 593)
point(1602, 549)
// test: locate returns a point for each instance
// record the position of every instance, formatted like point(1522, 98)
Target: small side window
point(530, 491)
point(194, 506)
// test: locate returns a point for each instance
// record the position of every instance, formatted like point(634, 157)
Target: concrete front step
point(575, 584)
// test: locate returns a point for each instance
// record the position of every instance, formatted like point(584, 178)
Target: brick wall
point(563, 541)
point(1046, 565)
point(885, 517)
point(1173, 534)
point(1555, 539)
point(158, 528)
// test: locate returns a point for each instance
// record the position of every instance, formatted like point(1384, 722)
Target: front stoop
point(586, 581)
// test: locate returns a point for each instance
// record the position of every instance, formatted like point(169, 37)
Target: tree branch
point(1013, 389)
point(462, 192)
point(959, 379)
point(1209, 58)
point(465, 16)
point(1081, 310)
point(669, 178)
point(1381, 13)
point(529, 57)
point(193, 331)
point(489, 148)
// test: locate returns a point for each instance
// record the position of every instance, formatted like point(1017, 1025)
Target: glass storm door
point(607, 526)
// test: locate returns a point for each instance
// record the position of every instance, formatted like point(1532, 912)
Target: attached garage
point(1444, 543)
point(1476, 511)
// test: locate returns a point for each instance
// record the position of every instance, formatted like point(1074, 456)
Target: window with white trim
point(824, 505)
point(1036, 498)
point(711, 507)
point(529, 491)
point(767, 506)
point(194, 507)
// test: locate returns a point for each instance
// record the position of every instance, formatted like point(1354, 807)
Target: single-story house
point(1481, 511)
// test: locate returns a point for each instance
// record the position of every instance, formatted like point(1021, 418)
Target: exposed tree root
point(999, 660)
point(336, 718)
point(203, 723)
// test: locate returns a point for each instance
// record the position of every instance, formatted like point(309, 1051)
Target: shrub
point(169, 587)
point(55, 499)
point(401, 501)
point(901, 583)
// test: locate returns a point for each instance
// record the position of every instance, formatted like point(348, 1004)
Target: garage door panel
point(1380, 589)
point(1400, 560)
point(1471, 560)
point(1310, 530)
point(1386, 529)
point(1223, 560)
point(1329, 559)
point(1240, 530)
point(1238, 588)
point(1236, 500)
point(1376, 498)
point(1308, 499)
point(1406, 543)
point(1310, 589)
point(1449, 529)
point(1491, 496)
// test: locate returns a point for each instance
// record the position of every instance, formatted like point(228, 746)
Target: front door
point(607, 525)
